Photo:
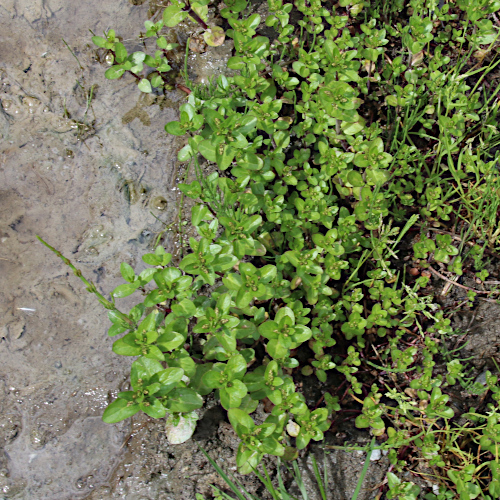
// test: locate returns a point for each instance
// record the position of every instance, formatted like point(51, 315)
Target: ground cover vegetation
point(356, 146)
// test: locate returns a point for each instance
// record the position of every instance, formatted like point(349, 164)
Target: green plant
point(329, 148)
point(279, 493)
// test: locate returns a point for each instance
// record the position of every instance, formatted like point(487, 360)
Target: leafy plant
point(332, 139)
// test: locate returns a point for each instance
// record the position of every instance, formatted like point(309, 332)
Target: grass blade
point(363, 472)
point(228, 481)
point(298, 478)
point(318, 478)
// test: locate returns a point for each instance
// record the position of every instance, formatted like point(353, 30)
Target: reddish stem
point(134, 75)
point(183, 88)
point(197, 18)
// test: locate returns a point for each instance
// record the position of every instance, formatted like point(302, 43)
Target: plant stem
point(197, 18)
point(73, 54)
point(134, 75)
point(90, 286)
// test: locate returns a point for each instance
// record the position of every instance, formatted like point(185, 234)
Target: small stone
point(58, 364)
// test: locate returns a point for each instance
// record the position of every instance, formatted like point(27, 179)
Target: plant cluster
point(356, 127)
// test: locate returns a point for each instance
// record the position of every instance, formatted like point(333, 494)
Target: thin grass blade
point(318, 479)
point(228, 481)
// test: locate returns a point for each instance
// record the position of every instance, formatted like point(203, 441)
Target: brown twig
point(459, 285)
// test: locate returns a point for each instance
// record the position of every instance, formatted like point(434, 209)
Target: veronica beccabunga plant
point(335, 140)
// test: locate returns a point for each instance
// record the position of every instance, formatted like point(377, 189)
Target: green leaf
point(231, 395)
point(227, 341)
point(117, 318)
point(208, 150)
point(150, 322)
point(136, 312)
point(127, 272)
point(119, 410)
point(161, 42)
point(156, 80)
point(376, 176)
point(240, 418)
point(147, 275)
point(169, 378)
point(303, 440)
point(116, 330)
point(355, 179)
point(236, 63)
point(173, 15)
point(145, 86)
point(175, 128)
point(243, 298)
point(251, 224)
point(197, 384)
point(269, 329)
point(120, 52)
point(248, 461)
point(184, 308)
point(214, 36)
point(276, 349)
point(125, 290)
point(144, 368)
point(393, 480)
point(114, 72)
point(185, 153)
point(248, 404)
point(152, 259)
point(183, 360)
point(183, 400)
point(154, 352)
point(212, 379)
point(362, 422)
point(237, 389)
point(251, 162)
point(192, 190)
point(153, 408)
point(170, 341)
point(123, 349)
point(352, 128)
point(198, 213)
point(236, 367)
point(224, 155)
point(99, 41)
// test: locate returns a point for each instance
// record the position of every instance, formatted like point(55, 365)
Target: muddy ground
point(92, 181)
